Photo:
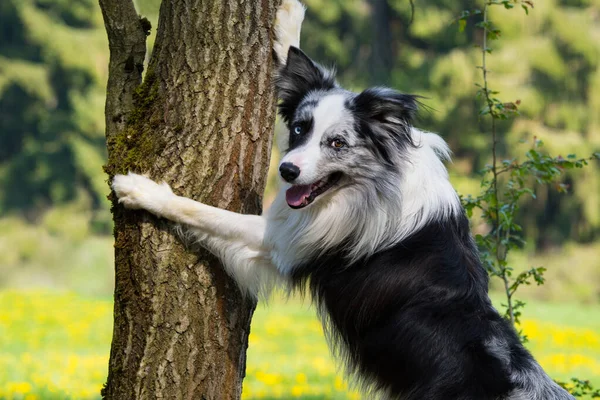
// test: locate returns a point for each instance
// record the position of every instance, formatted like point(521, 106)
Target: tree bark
point(201, 121)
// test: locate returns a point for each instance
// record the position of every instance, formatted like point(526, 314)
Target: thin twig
point(499, 257)
point(527, 163)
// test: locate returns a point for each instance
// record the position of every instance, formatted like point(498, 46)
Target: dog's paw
point(288, 23)
point(136, 191)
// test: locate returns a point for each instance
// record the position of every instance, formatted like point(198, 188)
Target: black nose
point(289, 171)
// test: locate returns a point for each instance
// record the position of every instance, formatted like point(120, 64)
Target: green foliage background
point(53, 70)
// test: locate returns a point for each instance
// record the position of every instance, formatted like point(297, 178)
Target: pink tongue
point(296, 194)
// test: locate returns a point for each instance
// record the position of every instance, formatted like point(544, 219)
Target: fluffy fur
point(370, 224)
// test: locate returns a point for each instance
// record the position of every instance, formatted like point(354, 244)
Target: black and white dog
point(368, 220)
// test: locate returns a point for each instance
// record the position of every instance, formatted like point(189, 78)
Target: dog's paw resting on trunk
point(137, 191)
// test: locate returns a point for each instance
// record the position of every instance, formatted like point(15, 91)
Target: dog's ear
point(385, 118)
point(386, 105)
point(299, 76)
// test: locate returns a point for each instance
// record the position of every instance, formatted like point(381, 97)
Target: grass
point(55, 346)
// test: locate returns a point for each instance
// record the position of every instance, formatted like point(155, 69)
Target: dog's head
point(337, 138)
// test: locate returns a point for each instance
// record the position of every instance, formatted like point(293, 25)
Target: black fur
point(297, 140)
point(384, 119)
point(415, 319)
point(297, 78)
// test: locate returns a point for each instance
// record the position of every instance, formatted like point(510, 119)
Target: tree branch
point(127, 42)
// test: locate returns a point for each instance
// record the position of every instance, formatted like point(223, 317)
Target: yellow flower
point(339, 384)
point(19, 387)
point(268, 379)
point(297, 391)
point(301, 378)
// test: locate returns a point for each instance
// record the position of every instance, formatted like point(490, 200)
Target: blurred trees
point(53, 72)
point(52, 78)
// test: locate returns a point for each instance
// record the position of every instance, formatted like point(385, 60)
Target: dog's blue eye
point(297, 130)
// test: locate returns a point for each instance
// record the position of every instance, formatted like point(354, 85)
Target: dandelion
point(297, 391)
point(301, 378)
point(339, 384)
point(19, 388)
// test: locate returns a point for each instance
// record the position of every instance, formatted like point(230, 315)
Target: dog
point(369, 223)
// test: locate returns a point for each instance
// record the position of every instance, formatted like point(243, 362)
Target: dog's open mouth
point(299, 196)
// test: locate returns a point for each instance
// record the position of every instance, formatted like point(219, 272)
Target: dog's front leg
point(237, 239)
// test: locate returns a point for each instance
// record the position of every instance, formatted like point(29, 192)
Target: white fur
point(137, 191)
point(288, 23)
point(426, 193)
point(536, 385)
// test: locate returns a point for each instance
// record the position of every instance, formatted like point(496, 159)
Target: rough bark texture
point(202, 121)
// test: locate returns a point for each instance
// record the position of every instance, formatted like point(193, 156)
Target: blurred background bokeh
point(56, 266)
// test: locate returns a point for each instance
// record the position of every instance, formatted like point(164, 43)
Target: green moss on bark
point(137, 146)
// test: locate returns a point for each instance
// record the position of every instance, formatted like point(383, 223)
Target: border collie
point(368, 221)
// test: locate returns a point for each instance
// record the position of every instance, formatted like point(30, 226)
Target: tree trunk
point(382, 57)
point(202, 121)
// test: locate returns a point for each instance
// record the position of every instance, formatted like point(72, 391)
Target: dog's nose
point(289, 171)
